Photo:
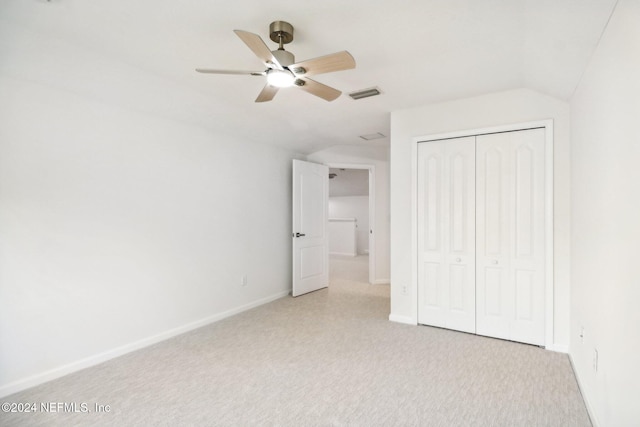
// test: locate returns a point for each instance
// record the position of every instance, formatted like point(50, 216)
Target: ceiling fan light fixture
point(280, 78)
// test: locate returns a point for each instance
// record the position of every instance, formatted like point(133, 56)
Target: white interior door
point(510, 235)
point(310, 221)
point(446, 234)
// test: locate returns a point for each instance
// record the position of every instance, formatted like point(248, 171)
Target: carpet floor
point(329, 358)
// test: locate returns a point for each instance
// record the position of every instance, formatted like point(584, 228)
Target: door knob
point(300, 234)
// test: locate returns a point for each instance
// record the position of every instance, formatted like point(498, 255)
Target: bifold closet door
point(446, 234)
point(510, 209)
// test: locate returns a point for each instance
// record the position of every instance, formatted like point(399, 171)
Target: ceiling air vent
point(371, 136)
point(365, 93)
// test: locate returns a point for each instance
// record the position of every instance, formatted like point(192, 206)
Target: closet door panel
point(461, 234)
point(492, 250)
point(432, 276)
point(431, 251)
point(510, 235)
point(446, 234)
point(528, 236)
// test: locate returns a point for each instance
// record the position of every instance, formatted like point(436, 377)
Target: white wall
point(353, 207)
point(379, 158)
point(495, 109)
point(342, 236)
point(119, 228)
point(605, 222)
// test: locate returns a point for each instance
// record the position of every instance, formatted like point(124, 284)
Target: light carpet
point(329, 358)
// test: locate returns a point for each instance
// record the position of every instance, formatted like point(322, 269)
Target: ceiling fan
point(282, 70)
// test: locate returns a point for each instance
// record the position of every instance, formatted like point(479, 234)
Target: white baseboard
point(402, 319)
point(592, 415)
point(381, 282)
point(343, 253)
point(558, 348)
point(63, 370)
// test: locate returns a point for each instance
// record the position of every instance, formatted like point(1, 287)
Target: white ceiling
point(141, 54)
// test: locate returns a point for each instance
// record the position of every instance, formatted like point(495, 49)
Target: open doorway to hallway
point(350, 231)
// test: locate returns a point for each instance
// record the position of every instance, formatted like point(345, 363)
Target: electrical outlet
point(595, 360)
point(243, 280)
point(404, 290)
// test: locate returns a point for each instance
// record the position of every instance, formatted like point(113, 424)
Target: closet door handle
point(458, 259)
point(299, 235)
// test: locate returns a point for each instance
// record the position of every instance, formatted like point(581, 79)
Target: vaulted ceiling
point(142, 55)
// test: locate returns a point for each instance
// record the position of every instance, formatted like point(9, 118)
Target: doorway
point(351, 222)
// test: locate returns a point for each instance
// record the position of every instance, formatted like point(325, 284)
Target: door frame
point(548, 215)
point(372, 212)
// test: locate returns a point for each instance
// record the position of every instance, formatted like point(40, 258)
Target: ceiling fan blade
point(318, 89)
point(240, 72)
point(325, 64)
point(257, 46)
point(267, 93)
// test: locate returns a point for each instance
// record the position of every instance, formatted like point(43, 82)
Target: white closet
point(481, 234)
